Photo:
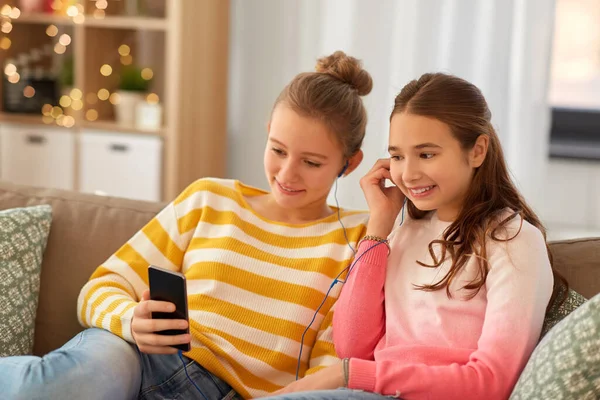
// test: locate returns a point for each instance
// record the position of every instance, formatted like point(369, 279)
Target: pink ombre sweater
point(423, 345)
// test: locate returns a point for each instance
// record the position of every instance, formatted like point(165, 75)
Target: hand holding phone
point(160, 321)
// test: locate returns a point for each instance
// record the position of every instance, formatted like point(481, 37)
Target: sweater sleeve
point(519, 286)
point(359, 322)
point(107, 300)
point(323, 352)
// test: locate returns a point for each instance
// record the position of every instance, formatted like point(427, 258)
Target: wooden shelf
point(111, 126)
point(14, 118)
point(114, 127)
point(118, 22)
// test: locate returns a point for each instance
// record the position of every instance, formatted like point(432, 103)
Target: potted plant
point(132, 89)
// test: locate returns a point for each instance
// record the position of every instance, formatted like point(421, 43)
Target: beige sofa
point(87, 229)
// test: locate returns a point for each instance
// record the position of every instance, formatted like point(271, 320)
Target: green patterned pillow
point(23, 237)
point(566, 363)
point(559, 311)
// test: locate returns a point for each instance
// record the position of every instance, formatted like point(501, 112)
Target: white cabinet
point(120, 165)
point(37, 155)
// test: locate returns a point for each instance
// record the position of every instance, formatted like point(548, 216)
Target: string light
point(79, 19)
point(47, 119)
point(147, 74)
point(77, 105)
point(91, 115)
point(101, 4)
point(6, 27)
point(65, 101)
point(15, 13)
point(5, 11)
point(60, 120)
point(76, 94)
point(5, 43)
point(29, 92)
point(56, 112)
point(106, 70)
point(103, 94)
point(59, 48)
point(68, 121)
point(124, 50)
point(72, 11)
point(47, 110)
point(10, 69)
point(14, 78)
point(126, 60)
point(152, 98)
point(115, 98)
point(51, 30)
point(64, 39)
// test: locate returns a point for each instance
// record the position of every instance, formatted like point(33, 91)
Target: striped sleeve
point(107, 300)
point(323, 352)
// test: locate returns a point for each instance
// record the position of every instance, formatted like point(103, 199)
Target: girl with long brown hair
point(447, 301)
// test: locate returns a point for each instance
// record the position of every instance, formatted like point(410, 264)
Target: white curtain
point(502, 46)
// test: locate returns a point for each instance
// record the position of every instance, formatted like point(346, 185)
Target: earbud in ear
point(343, 170)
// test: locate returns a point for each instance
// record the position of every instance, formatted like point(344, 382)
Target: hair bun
point(348, 70)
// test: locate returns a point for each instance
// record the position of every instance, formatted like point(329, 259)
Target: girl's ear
point(354, 162)
point(479, 151)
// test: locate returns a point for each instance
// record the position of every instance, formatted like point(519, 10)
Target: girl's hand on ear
point(384, 202)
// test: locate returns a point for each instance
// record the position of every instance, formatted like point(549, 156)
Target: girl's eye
point(312, 164)
point(396, 158)
point(427, 156)
point(278, 151)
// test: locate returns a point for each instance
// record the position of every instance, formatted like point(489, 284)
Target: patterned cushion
point(557, 312)
point(23, 236)
point(566, 363)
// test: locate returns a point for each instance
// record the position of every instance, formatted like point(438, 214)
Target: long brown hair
point(461, 105)
point(332, 95)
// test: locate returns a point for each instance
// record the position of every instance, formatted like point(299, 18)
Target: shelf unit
point(187, 50)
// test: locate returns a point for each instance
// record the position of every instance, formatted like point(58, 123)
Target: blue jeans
point(96, 364)
point(339, 394)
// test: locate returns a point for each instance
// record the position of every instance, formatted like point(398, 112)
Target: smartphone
point(166, 285)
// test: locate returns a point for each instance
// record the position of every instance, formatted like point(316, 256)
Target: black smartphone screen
point(169, 286)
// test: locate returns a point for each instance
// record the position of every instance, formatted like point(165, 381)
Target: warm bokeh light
point(99, 14)
point(152, 98)
point(60, 120)
point(91, 115)
point(56, 5)
point(69, 121)
point(29, 92)
point(65, 101)
point(52, 30)
point(56, 112)
point(79, 19)
point(103, 94)
point(47, 109)
point(48, 119)
point(76, 94)
point(59, 48)
point(14, 78)
point(72, 11)
point(64, 39)
point(6, 9)
point(147, 74)
point(91, 98)
point(106, 70)
point(126, 60)
point(77, 105)
point(15, 13)
point(115, 98)
point(101, 4)
point(10, 69)
point(124, 50)
point(5, 43)
point(6, 27)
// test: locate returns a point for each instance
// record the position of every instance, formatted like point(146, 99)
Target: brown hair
point(461, 105)
point(332, 95)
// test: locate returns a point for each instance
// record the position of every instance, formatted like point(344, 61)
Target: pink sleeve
point(519, 286)
point(359, 320)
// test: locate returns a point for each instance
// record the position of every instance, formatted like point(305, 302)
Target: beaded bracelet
point(377, 239)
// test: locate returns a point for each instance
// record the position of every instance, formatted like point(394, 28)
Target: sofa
point(86, 229)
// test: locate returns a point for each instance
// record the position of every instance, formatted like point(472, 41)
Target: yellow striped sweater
point(253, 284)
